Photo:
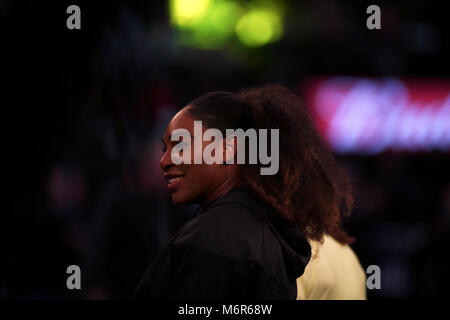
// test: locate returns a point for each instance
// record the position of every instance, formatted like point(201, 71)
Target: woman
point(249, 236)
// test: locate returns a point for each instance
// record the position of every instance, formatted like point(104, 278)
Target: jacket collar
point(296, 249)
point(237, 194)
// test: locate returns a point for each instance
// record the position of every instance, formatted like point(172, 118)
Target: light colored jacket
point(334, 273)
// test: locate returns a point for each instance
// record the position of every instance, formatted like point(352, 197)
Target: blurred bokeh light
point(215, 24)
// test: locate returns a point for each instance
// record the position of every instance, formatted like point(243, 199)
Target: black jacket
point(235, 247)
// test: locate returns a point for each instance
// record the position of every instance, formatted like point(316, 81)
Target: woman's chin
point(178, 198)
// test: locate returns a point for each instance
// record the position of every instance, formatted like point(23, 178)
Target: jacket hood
point(296, 249)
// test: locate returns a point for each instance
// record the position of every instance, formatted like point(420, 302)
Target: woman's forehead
point(181, 120)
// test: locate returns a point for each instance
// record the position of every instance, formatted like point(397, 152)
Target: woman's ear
point(229, 149)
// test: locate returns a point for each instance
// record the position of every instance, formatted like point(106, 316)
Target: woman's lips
point(174, 182)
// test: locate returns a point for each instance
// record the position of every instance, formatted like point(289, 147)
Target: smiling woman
point(249, 238)
point(193, 181)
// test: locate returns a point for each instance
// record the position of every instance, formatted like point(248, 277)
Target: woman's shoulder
point(228, 228)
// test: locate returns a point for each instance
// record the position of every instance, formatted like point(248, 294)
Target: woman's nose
point(166, 161)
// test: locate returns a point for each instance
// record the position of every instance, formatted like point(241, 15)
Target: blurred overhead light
point(259, 26)
point(212, 24)
point(214, 28)
point(188, 12)
point(224, 16)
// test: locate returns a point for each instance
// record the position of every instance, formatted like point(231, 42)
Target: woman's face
point(190, 183)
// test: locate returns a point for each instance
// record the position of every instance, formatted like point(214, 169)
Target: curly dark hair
point(309, 189)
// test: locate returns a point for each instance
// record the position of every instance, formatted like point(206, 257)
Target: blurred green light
point(259, 26)
point(224, 15)
point(211, 24)
point(188, 12)
point(215, 27)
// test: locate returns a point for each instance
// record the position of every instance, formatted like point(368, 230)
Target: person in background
point(333, 273)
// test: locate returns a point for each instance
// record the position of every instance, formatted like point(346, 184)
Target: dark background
point(83, 111)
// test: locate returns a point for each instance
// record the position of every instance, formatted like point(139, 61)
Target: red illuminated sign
point(368, 116)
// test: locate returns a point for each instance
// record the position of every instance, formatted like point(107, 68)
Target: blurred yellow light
point(259, 26)
point(188, 12)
